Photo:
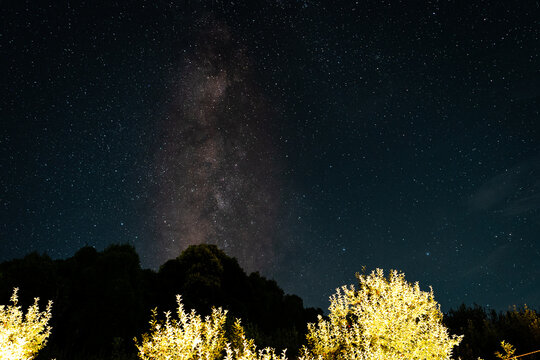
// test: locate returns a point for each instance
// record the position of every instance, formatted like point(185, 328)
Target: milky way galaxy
point(215, 168)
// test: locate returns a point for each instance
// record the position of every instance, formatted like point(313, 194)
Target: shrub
point(386, 318)
point(23, 335)
point(191, 337)
point(244, 349)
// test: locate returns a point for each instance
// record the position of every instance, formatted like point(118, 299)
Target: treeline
point(484, 330)
point(102, 300)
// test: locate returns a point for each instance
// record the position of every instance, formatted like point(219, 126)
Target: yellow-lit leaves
point(188, 337)
point(241, 348)
point(509, 351)
point(191, 338)
point(23, 335)
point(386, 318)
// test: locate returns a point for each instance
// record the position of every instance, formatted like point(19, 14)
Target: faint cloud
point(514, 192)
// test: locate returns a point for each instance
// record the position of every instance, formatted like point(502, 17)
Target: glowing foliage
point(243, 349)
point(509, 351)
point(386, 318)
point(191, 337)
point(22, 336)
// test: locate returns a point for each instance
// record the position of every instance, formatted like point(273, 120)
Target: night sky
point(305, 138)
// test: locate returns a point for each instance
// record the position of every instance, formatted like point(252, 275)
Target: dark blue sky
point(306, 138)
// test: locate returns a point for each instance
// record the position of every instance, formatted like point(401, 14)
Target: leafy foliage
point(386, 318)
point(23, 335)
point(509, 351)
point(242, 348)
point(191, 337)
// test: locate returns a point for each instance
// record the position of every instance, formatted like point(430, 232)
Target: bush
point(244, 349)
point(22, 336)
point(386, 318)
point(191, 337)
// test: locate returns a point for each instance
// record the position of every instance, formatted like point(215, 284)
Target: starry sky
point(305, 138)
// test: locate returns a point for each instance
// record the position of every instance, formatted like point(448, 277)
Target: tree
point(23, 335)
point(386, 318)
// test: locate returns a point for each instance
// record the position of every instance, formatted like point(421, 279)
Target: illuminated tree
point(191, 337)
point(23, 335)
point(386, 318)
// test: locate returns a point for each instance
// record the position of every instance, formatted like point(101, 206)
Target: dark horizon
point(445, 309)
